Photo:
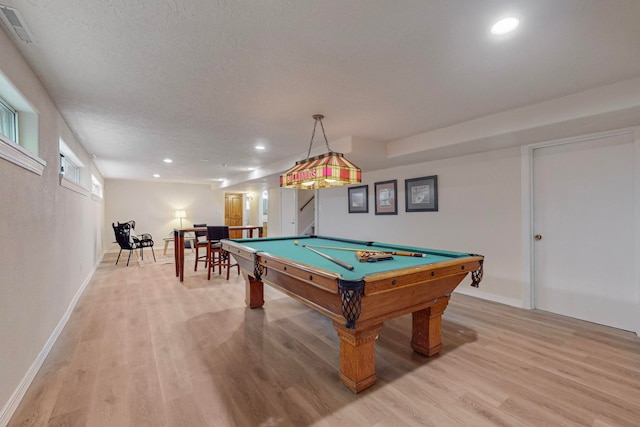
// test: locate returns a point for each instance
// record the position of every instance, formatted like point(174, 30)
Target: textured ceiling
point(203, 81)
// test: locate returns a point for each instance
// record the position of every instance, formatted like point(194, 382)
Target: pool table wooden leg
point(254, 292)
point(358, 356)
point(427, 328)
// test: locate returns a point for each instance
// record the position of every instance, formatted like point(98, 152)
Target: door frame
point(528, 280)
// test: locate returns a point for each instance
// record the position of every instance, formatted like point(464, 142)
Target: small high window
point(8, 121)
point(69, 169)
point(96, 187)
point(72, 171)
point(19, 141)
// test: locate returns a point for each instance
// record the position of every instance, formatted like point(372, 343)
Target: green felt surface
point(284, 247)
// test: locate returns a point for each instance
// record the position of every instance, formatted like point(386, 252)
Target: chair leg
point(199, 259)
point(129, 258)
point(118, 256)
point(154, 254)
point(229, 265)
point(142, 252)
point(211, 259)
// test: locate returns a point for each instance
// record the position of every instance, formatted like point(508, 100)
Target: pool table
point(358, 300)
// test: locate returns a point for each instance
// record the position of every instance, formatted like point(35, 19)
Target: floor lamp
point(181, 214)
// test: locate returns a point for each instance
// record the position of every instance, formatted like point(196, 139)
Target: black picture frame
point(421, 194)
point(386, 197)
point(358, 199)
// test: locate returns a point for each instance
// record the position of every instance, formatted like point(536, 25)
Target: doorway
point(585, 230)
point(288, 212)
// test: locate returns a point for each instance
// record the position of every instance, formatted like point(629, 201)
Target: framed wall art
point(421, 194)
point(386, 200)
point(359, 199)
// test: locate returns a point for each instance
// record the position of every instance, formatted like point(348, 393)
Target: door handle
point(538, 237)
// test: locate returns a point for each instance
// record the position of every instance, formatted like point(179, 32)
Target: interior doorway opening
point(247, 210)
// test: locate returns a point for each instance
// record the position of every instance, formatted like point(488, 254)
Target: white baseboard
point(8, 410)
point(489, 297)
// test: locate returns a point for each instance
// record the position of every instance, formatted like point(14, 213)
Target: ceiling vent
point(15, 23)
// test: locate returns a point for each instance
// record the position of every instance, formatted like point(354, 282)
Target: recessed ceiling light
point(260, 147)
point(155, 175)
point(505, 26)
point(168, 161)
point(251, 169)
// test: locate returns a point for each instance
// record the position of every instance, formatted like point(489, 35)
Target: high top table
point(179, 238)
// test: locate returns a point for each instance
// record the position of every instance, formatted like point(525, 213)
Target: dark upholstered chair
point(127, 240)
point(201, 245)
point(218, 257)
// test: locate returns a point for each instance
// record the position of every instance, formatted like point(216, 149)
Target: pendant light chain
point(318, 118)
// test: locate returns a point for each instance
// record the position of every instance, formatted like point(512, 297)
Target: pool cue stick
point(330, 258)
point(399, 253)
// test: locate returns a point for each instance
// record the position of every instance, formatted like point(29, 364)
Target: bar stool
point(201, 244)
point(218, 257)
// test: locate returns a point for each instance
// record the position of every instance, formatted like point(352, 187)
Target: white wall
point(479, 200)
point(254, 211)
point(274, 228)
point(52, 241)
point(153, 205)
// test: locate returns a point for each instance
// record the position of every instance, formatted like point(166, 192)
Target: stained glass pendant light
point(326, 170)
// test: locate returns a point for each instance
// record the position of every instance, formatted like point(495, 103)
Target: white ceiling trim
point(592, 102)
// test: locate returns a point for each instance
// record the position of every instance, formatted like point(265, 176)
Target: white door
point(583, 207)
point(288, 212)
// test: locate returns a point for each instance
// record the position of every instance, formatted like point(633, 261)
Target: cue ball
point(295, 242)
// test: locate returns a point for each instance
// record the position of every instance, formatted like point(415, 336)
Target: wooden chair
point(201, 242)
point(216, 256)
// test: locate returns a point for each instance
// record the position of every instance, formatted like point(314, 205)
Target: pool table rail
point(389, 280)
point(262, 261)
point(376, 282)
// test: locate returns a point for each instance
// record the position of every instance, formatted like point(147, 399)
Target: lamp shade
point(181, 213)
point(327, 170)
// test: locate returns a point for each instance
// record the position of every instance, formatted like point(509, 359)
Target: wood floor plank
point(143, 349)
point(184, 412)
point(107, 403)
point(79, 381)
point(143, 399)
point(42, 396)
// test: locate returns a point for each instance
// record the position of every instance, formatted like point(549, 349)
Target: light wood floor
point(141, 349)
